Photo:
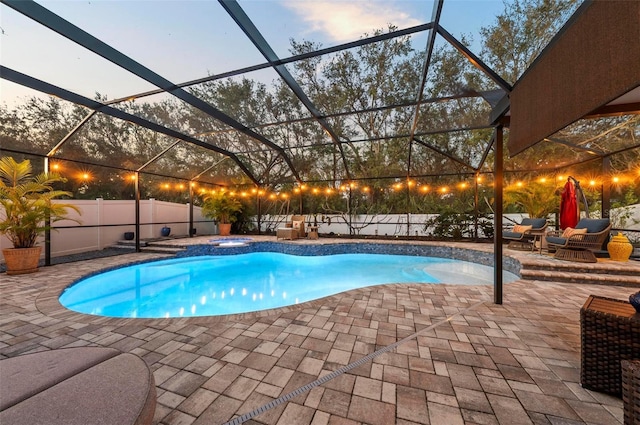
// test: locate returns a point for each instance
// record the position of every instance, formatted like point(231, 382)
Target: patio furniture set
point(573, 244)
point(295, 229)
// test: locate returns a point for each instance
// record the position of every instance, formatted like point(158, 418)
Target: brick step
point(162, 249)
point(126, 243)
point(581, 277)
point(562, 266)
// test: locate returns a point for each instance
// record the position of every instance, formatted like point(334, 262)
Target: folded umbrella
point(569, 213)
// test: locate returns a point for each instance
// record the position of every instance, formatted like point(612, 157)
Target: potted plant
point(222, 208)
point(27, 212)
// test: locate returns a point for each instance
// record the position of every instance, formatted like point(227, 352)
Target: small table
point(537, 237)
point(609, 333)
point(313, 232)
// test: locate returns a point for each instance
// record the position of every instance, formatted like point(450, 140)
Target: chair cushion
point(520, 228)
point(535, 223)
point(511, 235)
point(593, 225)
point(570, 231)
point(297, 225)
point(556, 240)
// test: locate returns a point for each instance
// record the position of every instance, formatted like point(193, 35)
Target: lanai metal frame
point(499, 118)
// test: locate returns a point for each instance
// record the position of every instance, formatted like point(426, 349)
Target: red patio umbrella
point(569, 213)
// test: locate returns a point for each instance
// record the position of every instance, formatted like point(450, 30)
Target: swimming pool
point(231, 284)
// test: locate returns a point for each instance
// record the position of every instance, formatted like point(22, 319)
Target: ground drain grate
point(273, 403)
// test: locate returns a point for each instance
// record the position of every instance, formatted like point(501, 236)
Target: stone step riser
point(161, 251)
point(589, 278)
point(595, 270)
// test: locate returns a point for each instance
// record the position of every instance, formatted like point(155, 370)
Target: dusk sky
point(185, 40)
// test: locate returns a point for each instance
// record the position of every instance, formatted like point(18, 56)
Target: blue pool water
point(229, 284)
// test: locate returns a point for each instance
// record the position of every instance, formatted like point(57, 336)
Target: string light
point(409, 184)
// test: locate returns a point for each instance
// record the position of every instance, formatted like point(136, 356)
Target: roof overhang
point(590, 69)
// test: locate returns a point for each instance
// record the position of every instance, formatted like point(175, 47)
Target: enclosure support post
point(191, 209)
point(258, 210)
point(606, 188)
point(476, 211)
point(349, 211)
point(408, 206)
point(498, 176)
point(137, 193)
point(47, 231)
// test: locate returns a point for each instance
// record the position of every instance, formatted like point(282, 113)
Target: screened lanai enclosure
point(336, 110)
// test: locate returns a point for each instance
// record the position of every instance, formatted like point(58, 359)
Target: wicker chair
point(293, 229)
point(521, 240)
point(581, 247)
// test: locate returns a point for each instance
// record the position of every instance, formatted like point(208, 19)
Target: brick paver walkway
point(402, 353)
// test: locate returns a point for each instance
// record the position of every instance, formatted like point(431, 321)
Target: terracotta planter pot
point(22, 260)
point(224, 228)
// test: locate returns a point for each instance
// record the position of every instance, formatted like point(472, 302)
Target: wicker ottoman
point(631, 391)
point(610, 333)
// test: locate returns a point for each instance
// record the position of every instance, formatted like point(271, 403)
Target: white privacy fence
point(103, 223)
point(370, 224)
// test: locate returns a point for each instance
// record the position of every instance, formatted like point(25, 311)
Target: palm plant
point(27, 202)
point(221, 207)
point(536, 199)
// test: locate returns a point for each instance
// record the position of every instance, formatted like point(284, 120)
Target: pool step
point(149, 246)
point(162, 248)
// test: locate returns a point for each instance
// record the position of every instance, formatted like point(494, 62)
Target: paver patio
point(401, 353)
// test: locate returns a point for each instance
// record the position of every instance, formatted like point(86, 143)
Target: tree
point(521, 32)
